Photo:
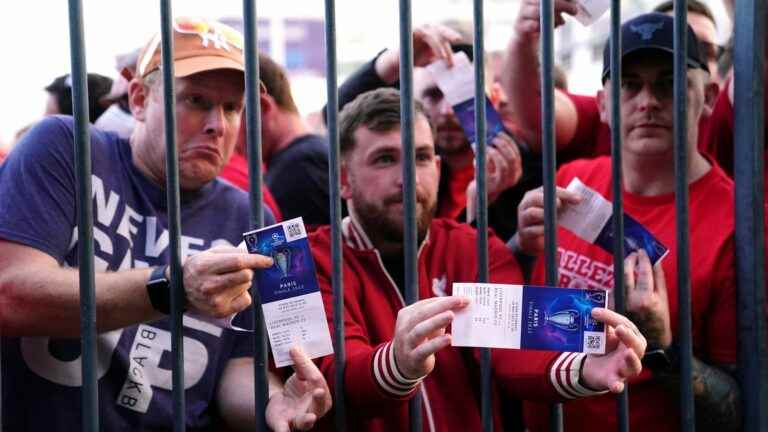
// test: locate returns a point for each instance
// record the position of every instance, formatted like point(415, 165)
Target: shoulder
point(307, 146)
point(585, 169)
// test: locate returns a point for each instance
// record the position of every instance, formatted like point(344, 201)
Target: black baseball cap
point(652, 31)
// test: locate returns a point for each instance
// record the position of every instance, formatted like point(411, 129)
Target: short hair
point(377, 110)
point(276, 82)
point(98, 87)
point(694, 6)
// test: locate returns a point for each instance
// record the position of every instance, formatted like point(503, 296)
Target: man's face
point(208, 108)
point(647, 103)
point(373, 184)
point(450, 138)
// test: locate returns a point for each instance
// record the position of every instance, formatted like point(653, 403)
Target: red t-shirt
point(713, 289)
point(236, 172)
point(719, 142)
point(453, 201)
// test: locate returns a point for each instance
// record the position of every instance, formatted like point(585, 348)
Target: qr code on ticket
point(594, 343)
point(294, 229)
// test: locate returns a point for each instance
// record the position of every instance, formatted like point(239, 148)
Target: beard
point(449, 136)
point(381, 222)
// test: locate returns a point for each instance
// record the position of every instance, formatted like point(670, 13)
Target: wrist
point(387, 66)
point(159, 289)
point(662, 360)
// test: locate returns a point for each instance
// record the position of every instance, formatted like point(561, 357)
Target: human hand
point(530, 217)
point(217, 280)
point(305, 397)
point(431, 42)
point(647, 301)
point(420, 333)
point(527, 25)
point(505, 166)
point(625, 347)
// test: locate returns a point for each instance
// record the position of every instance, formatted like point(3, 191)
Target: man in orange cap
point(38, 251)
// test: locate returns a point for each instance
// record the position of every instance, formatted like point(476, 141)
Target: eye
point(384, 159)
point(424, 156)
point(196, 101)
point(630, 86)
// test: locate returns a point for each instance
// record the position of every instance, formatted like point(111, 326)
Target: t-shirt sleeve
point(584, 140)
point(37, 189)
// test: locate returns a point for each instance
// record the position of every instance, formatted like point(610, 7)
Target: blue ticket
point(465, 112)
point(592, 220)
point(529, 317)
point(289, 292)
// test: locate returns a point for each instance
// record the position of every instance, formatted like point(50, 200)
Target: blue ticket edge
point(465, 113)
point(636, 236)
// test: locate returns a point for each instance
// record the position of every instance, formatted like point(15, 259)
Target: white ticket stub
point(591, 10)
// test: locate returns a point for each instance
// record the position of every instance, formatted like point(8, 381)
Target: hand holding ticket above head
point(530, 218)
point(420, 333)
point(527, 24)
point(647, 303)
point(216, 281)
point(625, 348)
point(431, 42)
point(304, 398)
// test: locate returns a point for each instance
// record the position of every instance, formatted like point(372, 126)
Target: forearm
point(46, 301)
point(716, 396)
point(520, 82)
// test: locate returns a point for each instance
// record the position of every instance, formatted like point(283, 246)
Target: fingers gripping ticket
point(388, 376)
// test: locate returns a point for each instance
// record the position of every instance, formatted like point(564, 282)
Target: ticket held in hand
point(288, 291)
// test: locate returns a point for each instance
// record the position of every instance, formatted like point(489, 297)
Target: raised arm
point(40, 298)
point(520, 79)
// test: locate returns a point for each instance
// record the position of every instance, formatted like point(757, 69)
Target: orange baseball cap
point(199, 45)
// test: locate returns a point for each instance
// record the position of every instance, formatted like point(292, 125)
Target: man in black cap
point(646, 105)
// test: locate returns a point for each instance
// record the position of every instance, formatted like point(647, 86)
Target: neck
point(284, 129)
point(139, 148)
point(655, 175)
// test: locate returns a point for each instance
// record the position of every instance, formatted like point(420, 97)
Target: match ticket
point(529, 317)
point(458, 85)
point(289, 293)
point(592, 221)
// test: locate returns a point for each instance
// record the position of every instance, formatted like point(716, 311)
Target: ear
point(438, 164)
point(138, 99)
point(267, 103)
point(602, 107)
point(346, 188)
point(711, 91)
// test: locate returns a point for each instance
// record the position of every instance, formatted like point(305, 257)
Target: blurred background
point(35, 39)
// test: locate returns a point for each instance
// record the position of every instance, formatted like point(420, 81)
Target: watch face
point(656, 361)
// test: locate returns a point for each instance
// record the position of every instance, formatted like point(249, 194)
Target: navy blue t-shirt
point(297, 176)
point(41, 377)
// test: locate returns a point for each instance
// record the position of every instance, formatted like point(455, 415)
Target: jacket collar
point(356, 238)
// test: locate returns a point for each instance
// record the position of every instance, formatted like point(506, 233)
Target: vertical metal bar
point(749, 117)
point(90, 389)
point(548, 164)
point(482, 203)
point(253, 138)
point(174, 217)
point(409, 180)
point(687, 418)
point(337, 280)
point(622, 400)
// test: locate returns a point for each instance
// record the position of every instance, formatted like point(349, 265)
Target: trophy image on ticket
point(282, 258)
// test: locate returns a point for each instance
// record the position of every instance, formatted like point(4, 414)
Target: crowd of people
point(394, 351)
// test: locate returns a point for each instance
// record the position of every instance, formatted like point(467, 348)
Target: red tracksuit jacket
point(376, 393)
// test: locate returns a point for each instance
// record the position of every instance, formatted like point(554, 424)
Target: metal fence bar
point(337, 280)
point(687, 414)
point(90, 388)
point(622, 400)
point(749, 117)
point(253, 139)
point(174, 218)
point(548, 164)
point(409, 180)
point(486, 401)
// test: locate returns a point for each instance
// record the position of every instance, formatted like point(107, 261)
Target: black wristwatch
point(159, 290)
point(662, 360)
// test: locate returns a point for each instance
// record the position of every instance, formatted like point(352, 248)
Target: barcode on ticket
point(594, 343)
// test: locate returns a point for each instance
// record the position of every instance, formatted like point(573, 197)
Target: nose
point(215, 121)
point(648, 99)
point(444, 108)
